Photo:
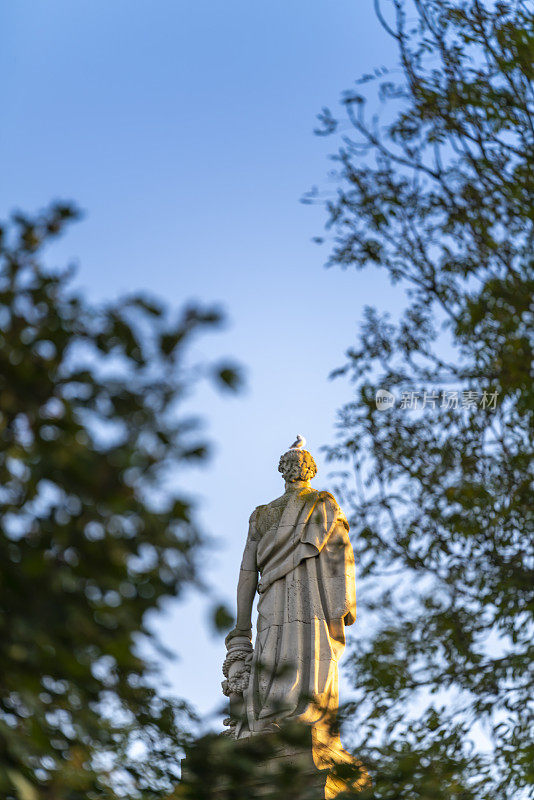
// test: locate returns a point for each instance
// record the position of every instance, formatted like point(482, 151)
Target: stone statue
point(299, 560)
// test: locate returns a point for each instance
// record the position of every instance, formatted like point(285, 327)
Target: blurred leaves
point(228, 376)
point(92, 534)
point(222, 619)
point(220, 767)
point(435, 187)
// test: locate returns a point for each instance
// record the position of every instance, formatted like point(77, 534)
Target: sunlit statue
point(299, 560)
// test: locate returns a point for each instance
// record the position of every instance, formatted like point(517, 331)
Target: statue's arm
point(246, 587)
point(246, 591)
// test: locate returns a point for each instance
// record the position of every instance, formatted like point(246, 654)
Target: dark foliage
point(435, 188)
point(91, 539)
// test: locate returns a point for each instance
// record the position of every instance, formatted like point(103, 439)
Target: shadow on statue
point(278, 765)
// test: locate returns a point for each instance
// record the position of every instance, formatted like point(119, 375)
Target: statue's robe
point(300, 546)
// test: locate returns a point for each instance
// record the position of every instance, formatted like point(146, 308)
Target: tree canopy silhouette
point(92, 537)
point(435, 188)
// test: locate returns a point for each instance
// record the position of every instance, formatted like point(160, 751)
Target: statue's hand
point(238, 661)
point(247, 632)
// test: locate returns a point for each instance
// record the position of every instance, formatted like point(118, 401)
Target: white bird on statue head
point(299, 442)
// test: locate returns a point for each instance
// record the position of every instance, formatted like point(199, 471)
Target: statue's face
point(295, 472)
point(293, 476)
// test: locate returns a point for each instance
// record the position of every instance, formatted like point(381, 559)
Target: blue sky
point(184, 129)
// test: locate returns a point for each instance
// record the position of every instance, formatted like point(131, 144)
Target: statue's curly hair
point(297, 465)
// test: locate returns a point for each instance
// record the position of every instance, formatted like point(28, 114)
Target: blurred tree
point(91, 539)
point(435, 188)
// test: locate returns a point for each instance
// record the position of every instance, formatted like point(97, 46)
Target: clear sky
point(184, 129)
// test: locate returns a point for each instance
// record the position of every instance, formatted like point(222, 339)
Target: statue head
point(297, 465)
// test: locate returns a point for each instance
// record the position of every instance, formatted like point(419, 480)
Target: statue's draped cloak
point(306, 597)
